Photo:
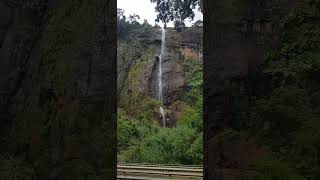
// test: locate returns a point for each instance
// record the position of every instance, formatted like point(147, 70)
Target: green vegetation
point(270, 168)
point(141, 139)
point(139, 135)
point(15, 169)
point(284, 117)
point(175, 10)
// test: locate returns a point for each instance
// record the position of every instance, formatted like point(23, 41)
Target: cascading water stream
point(163, 42)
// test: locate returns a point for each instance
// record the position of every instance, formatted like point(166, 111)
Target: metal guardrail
point(159, 165)
point(159, 172)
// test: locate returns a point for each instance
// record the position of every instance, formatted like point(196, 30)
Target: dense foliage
point(15, 169)
point(176, 10)
point(141, 139)
point(285, 116)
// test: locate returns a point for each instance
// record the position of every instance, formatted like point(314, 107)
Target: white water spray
point(163, 43)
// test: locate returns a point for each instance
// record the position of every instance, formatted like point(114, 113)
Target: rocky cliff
point(138, 71)
point(57, 84)
point(239, 35)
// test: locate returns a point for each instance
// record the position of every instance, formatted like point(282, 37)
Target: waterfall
point(163, 43)
point(163, 116)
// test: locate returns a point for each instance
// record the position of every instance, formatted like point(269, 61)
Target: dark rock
point(238, 35)
point(57, 87)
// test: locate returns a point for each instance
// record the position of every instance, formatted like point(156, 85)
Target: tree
point(134, 18)
point(127, 24)
point(120, 14)
point(176, 10)
point(179, 25)
point(198, 23)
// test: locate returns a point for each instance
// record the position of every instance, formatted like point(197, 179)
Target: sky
point(145, 9)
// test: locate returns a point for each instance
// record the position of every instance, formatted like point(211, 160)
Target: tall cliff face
point(152, 129)
point(56, 87)
point(180, 47)
point(239, 35)
point(138, 66)
point(135, 64)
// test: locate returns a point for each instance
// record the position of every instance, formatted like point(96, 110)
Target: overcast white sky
point(145, 9)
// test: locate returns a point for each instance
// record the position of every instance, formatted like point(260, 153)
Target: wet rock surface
point(144, 62)
point(174, 78)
